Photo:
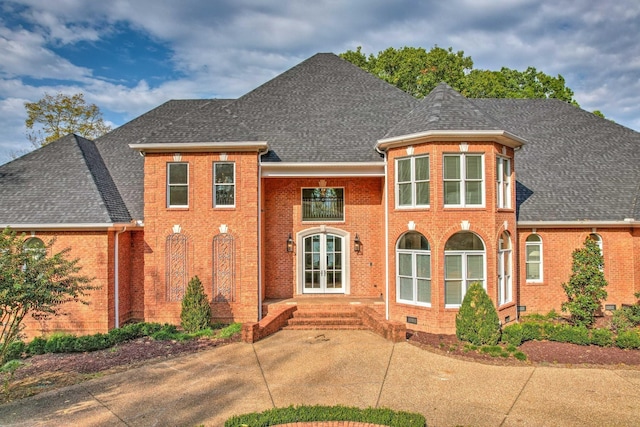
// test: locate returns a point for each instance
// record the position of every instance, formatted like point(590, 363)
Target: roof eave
point(319, 169)
point(500, 136)
point(627, 222)
point(171, 147)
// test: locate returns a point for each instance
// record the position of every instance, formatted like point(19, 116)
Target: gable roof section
point(65, 182)
point(323, 110)
point(575, 166)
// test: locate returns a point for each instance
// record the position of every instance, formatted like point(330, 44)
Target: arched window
point(464, 264)
point(505, 254)
point(533, 258)
point(598, 239)
point(35, 247)
point(413, 265)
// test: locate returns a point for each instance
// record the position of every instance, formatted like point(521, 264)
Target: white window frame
point(503, 182)
point(462, 181)
point(413, 182)
point(598, 239)
point(333, 220)
point(169, 185)
point(528, 244)
point(414, 253)
point(226, 184)
point(505, 276)
point(466, 281)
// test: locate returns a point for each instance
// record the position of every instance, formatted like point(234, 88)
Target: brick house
point(328, 181)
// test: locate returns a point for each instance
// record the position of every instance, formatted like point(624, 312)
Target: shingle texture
point(574, 166)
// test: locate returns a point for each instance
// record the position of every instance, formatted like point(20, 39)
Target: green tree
point(586, 287)
point(59, 115)
point(196, 311)
point(477, 320)
point(34, 281)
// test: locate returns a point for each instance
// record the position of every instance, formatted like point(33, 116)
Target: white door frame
point(346, 248)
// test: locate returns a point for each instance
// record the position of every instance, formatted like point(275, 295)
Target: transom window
point(413, 257)
point(464, 264)
point(533, 258)
point(412, 182)
point(505, 252)
point(323, 204)
point(177, 185)
point(224, 184)
point(463, 180)
point(503, 182)
point(35, 247)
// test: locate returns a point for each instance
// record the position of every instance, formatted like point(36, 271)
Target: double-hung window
point(503, 181)
point(463, 178)
point(505, 269)
point(224, 184)
point(414, 269)
point(412, 182)
point(464, 264)
point(533, 258)
point(177, 185)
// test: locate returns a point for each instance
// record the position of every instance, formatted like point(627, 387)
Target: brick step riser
point(325, 327)
point(324, 321)
point(325, 314)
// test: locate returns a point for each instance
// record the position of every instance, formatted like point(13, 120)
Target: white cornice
point(60, 226)
point(629, 222)
point(501, 136)
point(200, 147)
point(362, 169)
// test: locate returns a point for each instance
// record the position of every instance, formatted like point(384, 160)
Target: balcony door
point(323, 264)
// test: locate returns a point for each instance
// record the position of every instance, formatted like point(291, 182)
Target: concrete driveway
point(355, 368)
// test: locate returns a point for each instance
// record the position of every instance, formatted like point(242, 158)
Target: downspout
point(386, 236)
point(117, 276)
point(260, 154)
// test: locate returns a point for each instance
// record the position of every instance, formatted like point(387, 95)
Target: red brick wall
point(620, 266)
point(200, 223)
point(438, 224)
point(364, 215)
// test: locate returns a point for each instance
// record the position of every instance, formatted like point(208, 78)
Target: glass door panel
point(323, 260)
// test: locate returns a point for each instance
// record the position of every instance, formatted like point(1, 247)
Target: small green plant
point(512, 334)
point(477, 320)
point(520, 355)
point(628, 339)
point(196, 311)
point(10, 367)
point(586, 287)
point(37, 346)
point(14, 351)
point(602, 337)
point(231, 330)
point(568, 333)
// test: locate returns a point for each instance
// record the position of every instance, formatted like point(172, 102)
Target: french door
point(323, 264)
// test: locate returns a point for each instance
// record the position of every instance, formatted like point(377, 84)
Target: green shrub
point(531, 331)
point(512, 334)
point(628, 339)
point(231, 330)
point(626, 318)
point(169, 332)
point(380, 416)
point(520, 355)
point(568, 333)
point(196, 311)
point(602, 337)
point(37, 346)
point(93, 342)
point(14, 351)
point(60, 343)
point(477, 320)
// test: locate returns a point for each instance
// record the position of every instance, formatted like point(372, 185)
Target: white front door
point(323, 264)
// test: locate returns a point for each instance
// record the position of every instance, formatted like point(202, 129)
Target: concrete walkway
point(355, 368)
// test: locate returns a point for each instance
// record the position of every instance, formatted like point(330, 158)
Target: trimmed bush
point(532, 331)
point(512, 334)
point(628, 339)
point(571, 334)
point(60, 343)
point(14, 351)
point(196, 311)
point(602, 337)
point(477, 320)
point(37, 346)
point(626, 318)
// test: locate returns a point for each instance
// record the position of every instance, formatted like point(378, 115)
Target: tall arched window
point(35, 247)
point(413, 259)
point(464, 264)
point(505, 253)
point(533, 258)
point(598, 239)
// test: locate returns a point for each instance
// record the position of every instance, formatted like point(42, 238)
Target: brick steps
point(311, 317)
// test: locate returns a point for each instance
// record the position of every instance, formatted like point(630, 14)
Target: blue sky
point(130, 56)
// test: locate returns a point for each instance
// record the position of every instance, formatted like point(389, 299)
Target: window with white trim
point(224, 184)
point(463, 178)
point(323, 204)
point(412, 182)
point(35, 247)
point(598, 239)
point(464, 264)
point(533, 258)
point(505, 269)
point(413, 266)
point(503, 182)
point(177, 185)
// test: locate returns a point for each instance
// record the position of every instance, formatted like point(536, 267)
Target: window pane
point(534, 238)
point(224, 195)
point(413, 240)
point(422, 193)
point(451, 167)
point(452, 193)
point(224, 173)
point(473, 194)
point(404, 194)
point(406, 289)
point(422, 168)
point(453, 266)
point(423, 267)
point(338, 244)
point(308, 261)
point(404, 170)
point(338, 280)
point(474, 167)
point(404, 265)
point(475, 269)
point(533, 271)
point(533, 253)
point(178, 173)
point(424, 291)
point(452, 292)
point(464, 241)
point(178, 196)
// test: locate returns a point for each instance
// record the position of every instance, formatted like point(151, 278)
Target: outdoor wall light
point(357, 244)
point(289, 244)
